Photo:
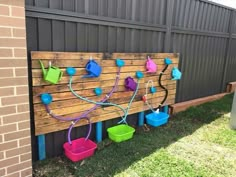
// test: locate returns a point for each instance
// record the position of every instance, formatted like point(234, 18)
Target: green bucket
point(120, 133)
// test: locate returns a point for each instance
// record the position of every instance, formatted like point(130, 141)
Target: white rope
point(146, 95)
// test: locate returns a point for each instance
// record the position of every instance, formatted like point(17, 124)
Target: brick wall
point(15, 142)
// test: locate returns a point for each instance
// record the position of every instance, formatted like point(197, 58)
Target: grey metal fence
point(203, 32)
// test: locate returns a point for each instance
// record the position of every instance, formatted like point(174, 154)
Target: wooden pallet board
point(67, 105)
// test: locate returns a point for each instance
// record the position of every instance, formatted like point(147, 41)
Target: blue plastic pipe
point(99, 132)
point(41, 147)
point(141, 118)
point(165, 109)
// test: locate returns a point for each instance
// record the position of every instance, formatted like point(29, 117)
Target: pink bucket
point(79, 149)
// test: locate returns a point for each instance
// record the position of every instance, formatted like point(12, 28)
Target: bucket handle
point(72, 125)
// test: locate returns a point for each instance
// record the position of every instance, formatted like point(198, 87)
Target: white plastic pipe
point(233, 113)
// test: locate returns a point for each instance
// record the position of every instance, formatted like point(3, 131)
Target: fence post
point(141, 118)
point(99, 132)
point(166, 109)
point(169, 17)
point(41, 147)
point(228, 46)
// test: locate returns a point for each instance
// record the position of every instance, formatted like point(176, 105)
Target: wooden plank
point(36, 55)
point(141, 56)
point(76, 101)
point(64, 125)
point(182, 106)
point(88, 93)
point(63, 63)
point(103, 77)
point(41, 121)
point(82, 55)
point(66, 104)
point(231, 86)
point(63, 110)
point(37, 73)
point(91, 85)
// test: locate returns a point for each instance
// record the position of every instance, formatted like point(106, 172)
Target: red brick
point(6, 91)
point(23, 108)
point(24, 125)
point(5, 52)
point(12, 42)
point(16, 135)
point(20, 53)
point(9, 161)
point(1, 139)
point(1, 155)
point(21, 72)
point(22, 90)
point(17, 174)
point(7, 110)
point(20, 3)
point(25, 141)
point(7, 128)
point(6, 73)
point(18, 151)
point(16, 117)
point(5, 32)
point(13, 22)
point(19, 167)
point(13, 81)
point(19, 32)
point(25, 157)
point(8, 145)
point(4, 10)
point(18, 11)
point(2, 172)
point(13, 62)
point(15, 100)
point(26, 172)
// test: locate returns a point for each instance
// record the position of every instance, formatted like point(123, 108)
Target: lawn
point(196, 142)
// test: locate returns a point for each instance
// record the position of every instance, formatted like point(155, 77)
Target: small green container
point(120, 133)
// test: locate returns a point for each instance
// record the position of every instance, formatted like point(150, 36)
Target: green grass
point(196, 142)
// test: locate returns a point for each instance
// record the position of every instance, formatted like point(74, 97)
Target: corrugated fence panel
point(202, 64)
point(148, 11)
point(197, 29)
point(231, 73)
point(200, 15)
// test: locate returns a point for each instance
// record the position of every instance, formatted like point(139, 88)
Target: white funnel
point(233, 113)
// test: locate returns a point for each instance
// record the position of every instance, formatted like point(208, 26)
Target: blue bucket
point(157, 119)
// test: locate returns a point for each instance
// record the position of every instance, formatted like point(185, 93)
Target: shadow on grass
point(112, 158)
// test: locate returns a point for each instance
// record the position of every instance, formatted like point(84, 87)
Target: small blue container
point(157, 119)
point(120, 62)
point(46, 98)
point(70, 71)
point(98, 91)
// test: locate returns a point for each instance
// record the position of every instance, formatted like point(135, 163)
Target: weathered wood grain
point(67, 105)
point(60, 125)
